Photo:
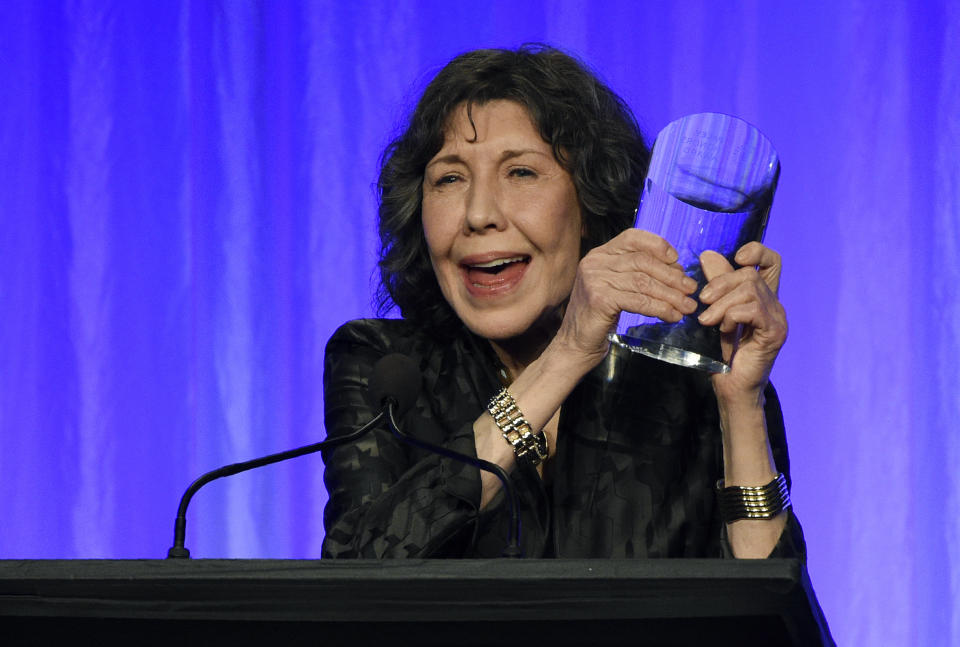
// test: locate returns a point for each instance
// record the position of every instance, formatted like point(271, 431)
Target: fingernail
point(690, 303)
point(702, 318)
point(706, 293)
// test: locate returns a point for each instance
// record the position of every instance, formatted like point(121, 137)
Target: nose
point(483, 208)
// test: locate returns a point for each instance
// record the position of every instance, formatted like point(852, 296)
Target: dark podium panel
point(410, 602)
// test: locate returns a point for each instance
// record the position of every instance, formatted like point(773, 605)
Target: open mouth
point(496, 273)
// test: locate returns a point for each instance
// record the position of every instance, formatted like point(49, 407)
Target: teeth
point(499, 262)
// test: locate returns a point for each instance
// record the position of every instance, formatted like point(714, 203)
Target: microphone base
point(178, 552)
point(512, 552)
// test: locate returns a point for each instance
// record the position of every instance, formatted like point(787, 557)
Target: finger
point(725, 283)
point(604, 259)
point(768, 262)
point(714, 264)
point(602, 289)
point(606, 289)
point(648, 306)
point(751, 291)
point(771, 330)
point(639, 240)
point(749, 313)
point(645, 284)
point(613, 293)
point(758, 254)
point(642, 262)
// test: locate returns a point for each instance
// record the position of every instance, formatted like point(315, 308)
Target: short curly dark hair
point(593, 134)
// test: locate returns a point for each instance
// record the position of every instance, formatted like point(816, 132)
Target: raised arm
point(743, 303)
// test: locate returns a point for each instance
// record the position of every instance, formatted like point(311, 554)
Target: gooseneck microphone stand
point(178, 551)
point(394, 385)
point(513, 531)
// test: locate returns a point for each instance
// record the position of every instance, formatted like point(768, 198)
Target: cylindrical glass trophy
point(710, 186)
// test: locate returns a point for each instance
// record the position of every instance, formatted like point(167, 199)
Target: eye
point(522, 171)
point(449, 178)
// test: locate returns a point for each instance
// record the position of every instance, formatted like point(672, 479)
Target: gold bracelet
point(753, 502)
point(528, 448)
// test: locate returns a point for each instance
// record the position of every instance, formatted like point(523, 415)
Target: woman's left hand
point(753, 324)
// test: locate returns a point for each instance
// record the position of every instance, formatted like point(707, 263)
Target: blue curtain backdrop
point(187, 213)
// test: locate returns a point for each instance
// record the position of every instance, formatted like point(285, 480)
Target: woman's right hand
point(636, 271)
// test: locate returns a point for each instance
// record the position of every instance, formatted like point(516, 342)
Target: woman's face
point(502, 221)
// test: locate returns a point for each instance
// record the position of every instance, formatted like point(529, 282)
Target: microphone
point(393, 386)
point(395, 378)
point(381, 376)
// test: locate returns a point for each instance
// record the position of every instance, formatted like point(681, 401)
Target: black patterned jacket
point(639, 453)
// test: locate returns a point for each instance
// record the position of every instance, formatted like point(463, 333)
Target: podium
point(415, 602)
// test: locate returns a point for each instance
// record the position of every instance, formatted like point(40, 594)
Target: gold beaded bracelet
point(756, 502)
point(528, 448)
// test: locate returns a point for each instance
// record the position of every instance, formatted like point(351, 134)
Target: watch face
point(541, 439)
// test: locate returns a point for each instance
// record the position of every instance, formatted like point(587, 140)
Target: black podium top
point(423, 602)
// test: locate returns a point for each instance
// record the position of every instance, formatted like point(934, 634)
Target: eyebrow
point(508, 154)
point(452, 158)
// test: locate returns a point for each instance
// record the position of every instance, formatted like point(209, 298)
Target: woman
point(505, 217)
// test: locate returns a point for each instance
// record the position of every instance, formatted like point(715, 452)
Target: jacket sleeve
point(791, 543)
point(386, 500)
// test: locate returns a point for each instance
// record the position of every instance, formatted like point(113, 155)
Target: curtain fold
point(187, 213)
point(942, 577)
